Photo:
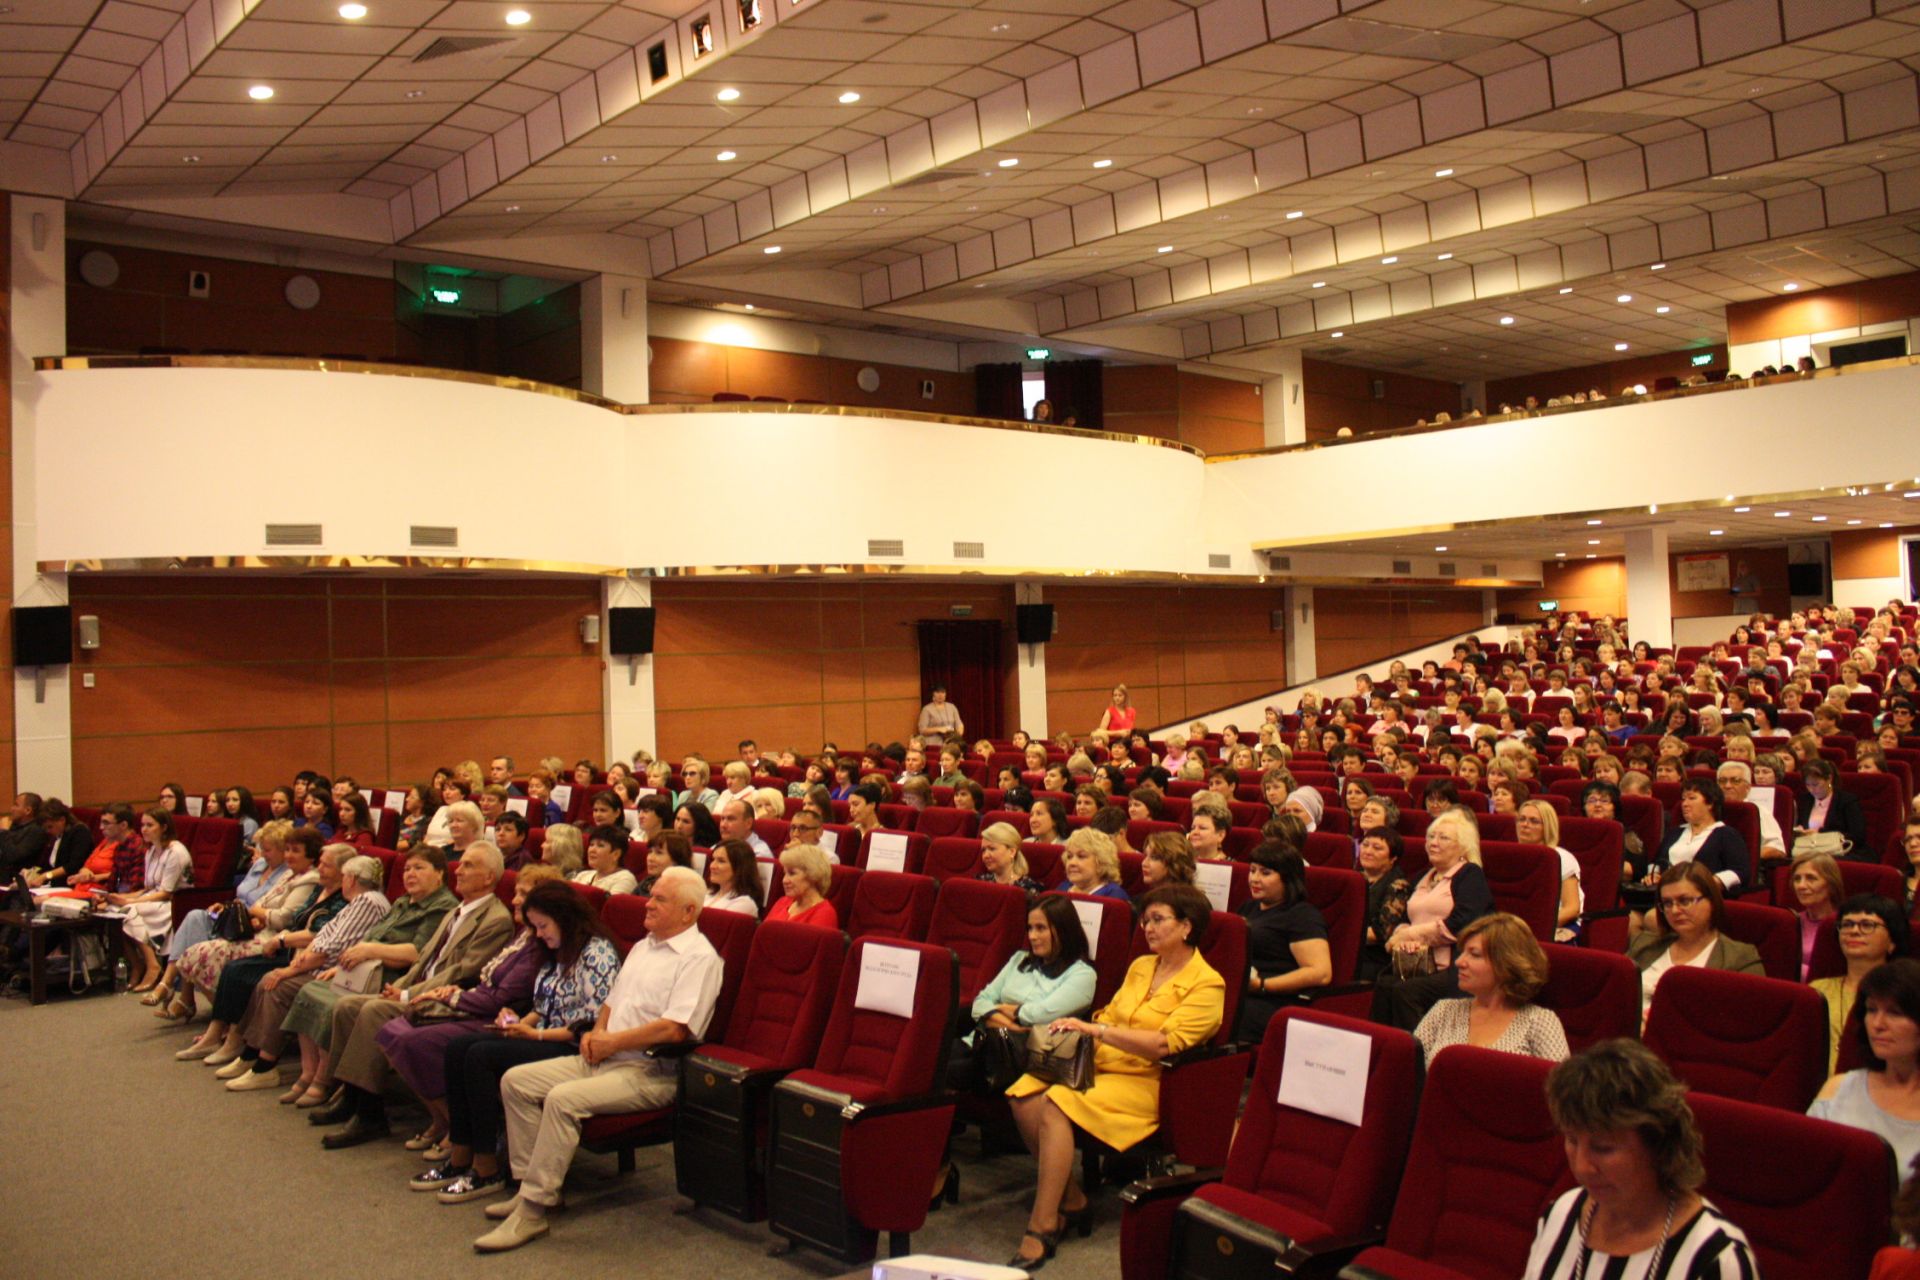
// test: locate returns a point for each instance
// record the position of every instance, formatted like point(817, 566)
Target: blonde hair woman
point(564, 850)
point(1452, 895)
point(1091, 865)
point(1535, 822)
point(806, 877)
point(1004, 862)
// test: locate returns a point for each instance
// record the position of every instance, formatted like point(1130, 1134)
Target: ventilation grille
point(1403, 566)
point(435, 535)
point(453, 46)
point(886, 547)
point(1448, 569)
point(967, 551)
point(1216, 560)
point(1489, 570)
point(933, 176)
point(1283, 564)
point(293, 535)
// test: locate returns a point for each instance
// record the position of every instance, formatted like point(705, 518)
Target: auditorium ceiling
point(1461, 189)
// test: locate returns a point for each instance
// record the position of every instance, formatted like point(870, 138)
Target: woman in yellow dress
point(1171, 1000)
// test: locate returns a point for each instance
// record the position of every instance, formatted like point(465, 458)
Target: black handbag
point(235, 923)
point(1064, 1057)
point(999, 1055)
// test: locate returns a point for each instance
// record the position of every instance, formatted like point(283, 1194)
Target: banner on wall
point(1702, 573)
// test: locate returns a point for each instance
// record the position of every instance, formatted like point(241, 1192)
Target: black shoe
point(358, 1130)
point(1049, 1244)
point(338, 1112)
point(947, 1189)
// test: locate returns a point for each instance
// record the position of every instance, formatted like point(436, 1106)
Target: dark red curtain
point(996, 392)
point(967, 658)
point(1074, 388)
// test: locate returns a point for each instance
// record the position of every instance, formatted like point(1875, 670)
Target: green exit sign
point(451, 297)
point(1704, 358)
point(1039, 353)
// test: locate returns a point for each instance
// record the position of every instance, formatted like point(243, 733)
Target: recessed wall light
point(1506, 319)
point(1010, 162)
point(353, 12)
point(1295, 213)
point(772, 248)
point(1625, 297)
point(848, 98)
point(727, 155)
point(1387, 262)
point(518, 17)
point(728, 95)
point(1443, 173)
point(1619, 346)
point(260, 92)
point(1103, 164)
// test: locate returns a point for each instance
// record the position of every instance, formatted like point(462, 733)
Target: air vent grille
point(936, 176)
point(1403, 566)
point(969, 551)
point(453, 46)
point(1282, 564)
point(886, 547)
point(435, 535)
point(293, 535)
point(1219, 560)
point(1448, 569)
point(1489, 570)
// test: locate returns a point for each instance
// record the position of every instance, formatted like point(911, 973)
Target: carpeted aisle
point(119, 1162)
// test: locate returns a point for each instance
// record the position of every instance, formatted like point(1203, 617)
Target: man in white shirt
point(736, 823)
point(805, 827)
point(1736, 784)
point(916, 765)
point(664, 995)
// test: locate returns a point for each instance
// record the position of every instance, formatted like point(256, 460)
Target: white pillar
point(1302, 660)
point(626, 682)
point(42, 706)
point(613, 338)
point(1283, 402)
point(1030, 672)
point(1649, 598)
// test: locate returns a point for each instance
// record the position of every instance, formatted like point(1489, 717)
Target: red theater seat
point(891, 904)
point(1739, 1036)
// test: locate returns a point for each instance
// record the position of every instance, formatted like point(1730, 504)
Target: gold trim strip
point(299, 364)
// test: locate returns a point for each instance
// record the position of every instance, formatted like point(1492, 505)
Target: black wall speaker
point(43, 636)
point(629, 632)
point(1033, 623)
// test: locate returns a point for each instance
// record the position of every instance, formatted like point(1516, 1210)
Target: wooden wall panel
point(1360, 625)
point(687, 372)
point(209, 681)
point(1769, 565)
point(1843, 306)
point(1609, 376)
point(1869, 553)
point(6, 489)
point(1591, 587)
point(1181, 651)
point(1338, 395)
point(798, 663)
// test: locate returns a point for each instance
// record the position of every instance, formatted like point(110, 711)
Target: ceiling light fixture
point(1319, 284)
point(1387, 262)
point(1338, 333)
point(1010, 162)
point(848, 98)
point(1568, 289)
point(415, 93)
point(1789, 286)
point(1619, 346)
point(1165, 248)
point(189, 159)
point(1819, 519)
point(1660, 311)
point(1506, 319)
point(1592, 556)
point(728, 95)
point(1781, 515)
point(1295, 213)
point(1740, 511)
point(1592, 522)
point(1886, 524)
point(608, 158)
point(1658, 266)
point(1103, 164)
point(727, 155)
point(513, 208)
point(1439, 548)
point(353, 12)
point(518, 17)
point(1593, 542)
point(1625, 297)
point(1443, 173)
point(1714, 533)
point(749, 306)
point(260, 92)
point(1853, 522)
point(772, 248)
point(1446, 257)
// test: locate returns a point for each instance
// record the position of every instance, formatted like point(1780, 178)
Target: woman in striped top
point(1633, 1148)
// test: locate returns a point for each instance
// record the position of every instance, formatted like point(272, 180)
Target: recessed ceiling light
point(1387, 262)
point(1625, 297)
point(1592, 556)
point(1619, 346)
point(1567, 289)
point(1660, 311)
point(749, 306)
point(1439, 548)
point(1445, 257)
point(1593, 542)
point(1741, 510)
point(1319, 284)
point(1886, 524)
point(1338, 333)
point(1714, 533)
point(415, 93)
point(513, 208)
point(189, 159)
point(1165, 248)
point(1295, 213)
point(1001, 26)
point(353, 12)
point(1506, 319)
point(1911, 493)
point(1781, 515)
point(1659, 266)
point(1103, 164)
point(772, 248)
point(1560, 555)
point(518, 17)
point(1443, 173)
point(1853, 522)
point(260, 92)
point(608, 158)
point(1789, 286)
point(1010, 162)
point(728, 95)
point(728, 155)
point(848, 98)
point(1596, 522)
point(1819, 519)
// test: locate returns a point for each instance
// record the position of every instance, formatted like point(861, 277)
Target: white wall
point(1869, 593)
point(1705, 630)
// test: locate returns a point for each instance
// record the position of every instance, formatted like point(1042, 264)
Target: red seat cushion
point(1300, 1227)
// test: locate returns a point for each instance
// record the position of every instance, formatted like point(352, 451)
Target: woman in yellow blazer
point(1171, 1000)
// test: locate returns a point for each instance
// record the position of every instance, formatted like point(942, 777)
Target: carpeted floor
point(120, 1162)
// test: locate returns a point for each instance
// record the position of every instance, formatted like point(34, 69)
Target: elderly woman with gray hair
point(364, 907)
